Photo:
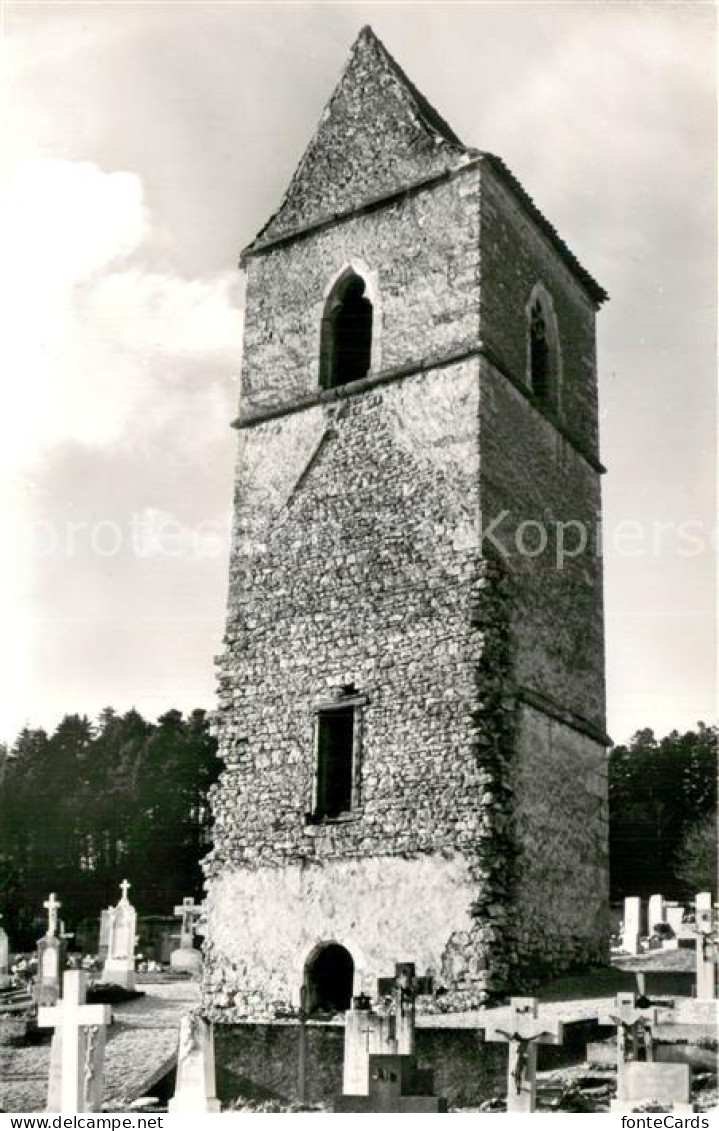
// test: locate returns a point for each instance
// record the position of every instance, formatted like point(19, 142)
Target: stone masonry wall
point(422, 258)
point(515, 256)
point(355, 561)
point(561, 895)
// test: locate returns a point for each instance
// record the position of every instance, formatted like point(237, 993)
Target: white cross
point(523, 1031)
point(52, 905)
point(71, 1017)
point(124, 888)
point(628, 1017)
point(188, 911)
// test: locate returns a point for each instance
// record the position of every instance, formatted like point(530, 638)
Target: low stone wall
point(260, 1061)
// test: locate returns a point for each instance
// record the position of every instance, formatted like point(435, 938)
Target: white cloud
point(91, 336)
point(100, 348)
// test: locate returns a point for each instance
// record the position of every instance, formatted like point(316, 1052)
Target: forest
point(95, 802)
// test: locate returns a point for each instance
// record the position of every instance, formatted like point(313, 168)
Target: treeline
point(662, 814)
point(94, 803)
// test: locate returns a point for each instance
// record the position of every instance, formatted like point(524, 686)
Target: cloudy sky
point(144, 144)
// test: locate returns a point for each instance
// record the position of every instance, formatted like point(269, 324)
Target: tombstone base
point(186, 959)
point(118, 976)
point(193, 1105)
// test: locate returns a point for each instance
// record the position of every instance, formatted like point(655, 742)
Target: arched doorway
point(329, 977)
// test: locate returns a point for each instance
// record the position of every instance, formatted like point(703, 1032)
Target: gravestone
point(523, 1030)
point(373, 1032)
point(105, 916)
point(51, 955)
point(78, 1047)
point(631, 928)
point(119, 968)
point(395, 1084)
point(5, 978)
point(195, 1081)
point(656, 912)
point(674, 913)
point(704, 931)
point(634, 1025)
point(665, 1085)
point(186, 957)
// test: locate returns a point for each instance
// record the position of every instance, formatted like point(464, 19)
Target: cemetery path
point(141, 1048)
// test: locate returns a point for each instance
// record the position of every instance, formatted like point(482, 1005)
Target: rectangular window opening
point(335, 763)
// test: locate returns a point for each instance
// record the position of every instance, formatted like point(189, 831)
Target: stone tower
point(411, 706)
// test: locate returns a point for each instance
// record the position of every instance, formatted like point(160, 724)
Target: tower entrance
point(329, 975)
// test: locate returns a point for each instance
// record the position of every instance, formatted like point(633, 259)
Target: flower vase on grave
point(119, 968)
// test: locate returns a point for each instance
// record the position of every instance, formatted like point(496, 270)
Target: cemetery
point(582, 1043)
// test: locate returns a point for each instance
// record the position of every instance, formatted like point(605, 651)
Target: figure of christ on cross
point(523, 1032)
point(77, 1025)
point(634, 1033)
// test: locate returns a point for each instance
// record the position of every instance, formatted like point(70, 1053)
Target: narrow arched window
point(539, 354)
point(346, 348)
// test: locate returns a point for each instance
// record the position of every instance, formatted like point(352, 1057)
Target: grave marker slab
point(631, 928)
point(51, 956)
point(656, 912)
point(666, 1085)
point(395, 1084)
point(523, 1030)
point(119, 968)
point(77, 1055)
point(195, 1086)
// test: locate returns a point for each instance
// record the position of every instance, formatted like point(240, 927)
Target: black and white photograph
point(358, 736)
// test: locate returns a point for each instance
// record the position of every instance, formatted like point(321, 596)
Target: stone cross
point(52, 905)
point(186, 957)
point(188, 912)
point(633, 1025)
point(631, 927)
point(79, 1046)
point(403, 989)
point(124, 888)
point(369, 1032)
point(523, 1031)
point(195, 1087)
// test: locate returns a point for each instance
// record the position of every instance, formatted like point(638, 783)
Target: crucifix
point(523, 1032)
point(79, 1036)
point(634, 1034)
point(52, 906)
point(188, 912)
point(404, 988)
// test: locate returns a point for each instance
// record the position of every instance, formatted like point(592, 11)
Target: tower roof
point(377, 134)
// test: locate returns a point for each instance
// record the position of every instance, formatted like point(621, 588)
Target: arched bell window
point(539, 353)
point(346, 343)
point(544, 360)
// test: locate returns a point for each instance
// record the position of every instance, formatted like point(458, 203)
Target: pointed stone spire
point(377, 135)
